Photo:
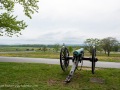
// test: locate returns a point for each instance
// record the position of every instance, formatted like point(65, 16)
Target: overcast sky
point(69, 21)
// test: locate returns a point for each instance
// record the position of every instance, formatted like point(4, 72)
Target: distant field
point(11, 49)
point(28, 76)
point(50, 53)
point(32, 54)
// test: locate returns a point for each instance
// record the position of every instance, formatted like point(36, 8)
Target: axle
point(84, 58)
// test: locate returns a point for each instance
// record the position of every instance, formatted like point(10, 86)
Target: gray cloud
point(70, 21)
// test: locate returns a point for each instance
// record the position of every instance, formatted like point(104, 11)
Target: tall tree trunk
point(105, 51)
point(108, 53)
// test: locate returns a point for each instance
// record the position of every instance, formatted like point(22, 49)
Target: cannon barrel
point(78, 52)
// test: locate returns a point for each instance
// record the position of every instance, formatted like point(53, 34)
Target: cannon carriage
point(78, 57)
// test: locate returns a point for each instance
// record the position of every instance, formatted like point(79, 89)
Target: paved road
point(56, 61)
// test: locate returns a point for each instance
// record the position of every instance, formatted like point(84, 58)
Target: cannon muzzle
point(78, 52)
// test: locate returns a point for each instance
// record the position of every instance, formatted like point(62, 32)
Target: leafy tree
point(56, 47)
point(108, 43)
point(44, 48)
point(9, 24)
point(89, 43)
point(119, 47)
point(70, 49)
point(116, 47)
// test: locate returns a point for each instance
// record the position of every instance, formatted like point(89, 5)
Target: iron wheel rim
point(64, 62)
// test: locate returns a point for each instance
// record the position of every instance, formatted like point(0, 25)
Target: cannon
point(78, 57)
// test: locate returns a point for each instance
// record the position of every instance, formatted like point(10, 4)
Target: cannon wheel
point(93, 59)
point(64, 61)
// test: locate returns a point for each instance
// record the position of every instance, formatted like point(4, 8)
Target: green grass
point(28, 76)
point(13, 48)
point(32, 54)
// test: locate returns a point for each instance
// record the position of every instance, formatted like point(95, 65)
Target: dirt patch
point(51, 82)
point(97, 80)
point(86, 68)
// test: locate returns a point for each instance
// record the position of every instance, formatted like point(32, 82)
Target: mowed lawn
point(29, 76)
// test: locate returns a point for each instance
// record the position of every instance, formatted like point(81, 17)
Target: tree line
point(107, 44)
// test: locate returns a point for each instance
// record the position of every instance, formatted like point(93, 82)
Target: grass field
point(28, 76)
point(32, 54)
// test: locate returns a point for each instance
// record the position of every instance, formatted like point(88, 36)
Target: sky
point(69, 22)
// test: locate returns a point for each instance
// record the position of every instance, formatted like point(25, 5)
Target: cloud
point(70, 21)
